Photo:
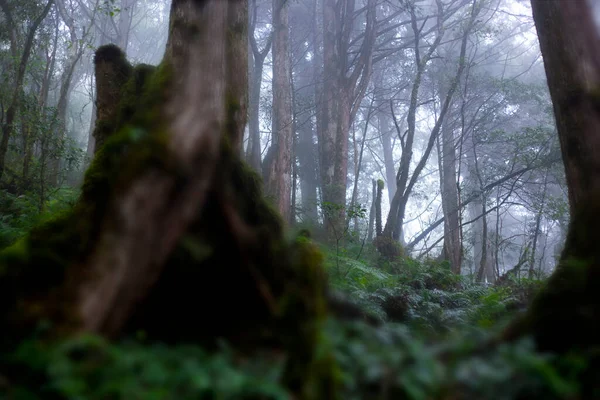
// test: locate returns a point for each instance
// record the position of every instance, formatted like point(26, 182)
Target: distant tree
point(347, 67)
point(278, 166)
point(405, 180)
point(253, 152)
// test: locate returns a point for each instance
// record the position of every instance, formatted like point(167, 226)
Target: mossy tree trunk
point(169, 217)
point(112, 72)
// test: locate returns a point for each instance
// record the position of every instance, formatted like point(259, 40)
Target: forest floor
point(427, 337)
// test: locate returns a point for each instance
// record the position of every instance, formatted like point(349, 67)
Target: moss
point(246, 282)
point(35, 273)
point(15, 253)
point(111, 53)
point(34, 269)
point(251, 200)
point(132, 92)
point(311, 370)
point(112, 71)
point(232, 276)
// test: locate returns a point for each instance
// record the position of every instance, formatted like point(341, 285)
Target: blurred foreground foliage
point(387, 362)
point(435, 342)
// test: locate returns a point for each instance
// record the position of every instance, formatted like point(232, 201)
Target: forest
point(299, 199)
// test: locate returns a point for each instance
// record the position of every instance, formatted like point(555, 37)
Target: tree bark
point(152, 213)
point(124, 24)
point(372, 211)
point(307, 158)
point(378, 221)
point(278, 178)
point(329, 112)
point(358, 155)
point(452, 242)
point(253, 155)
point(395, 220)
point(102, 38)
point(572, 63)
point(344, 87)
point(237, 83)
point(112, 71)
point(386, 132)
point(536, 229)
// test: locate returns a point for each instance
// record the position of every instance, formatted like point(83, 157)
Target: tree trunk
point(358, 155)
point(112, 72)
point(395, 221)
point(329, 113)
point(372, 211)
point(237, 83)
point(536, 229)
point(307, 158)
point(91, 144)
point(378, 221)
point(124, 23)
point(318, 81)
point(452, 242)
point(344, 87)
point(386, 132)
point(572, 63)
point(101, 39)
point(253, 155)
point(279, 169)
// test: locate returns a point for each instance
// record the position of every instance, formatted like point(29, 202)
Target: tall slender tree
point(344, 85)
point(278, 178)
point(253, 152)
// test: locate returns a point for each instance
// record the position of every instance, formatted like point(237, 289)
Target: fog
point(379, 91)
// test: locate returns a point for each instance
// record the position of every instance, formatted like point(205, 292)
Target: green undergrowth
point(436, 344)
point(426, 295)
point(395, 362)
point(19, 214)
point(386, 362)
